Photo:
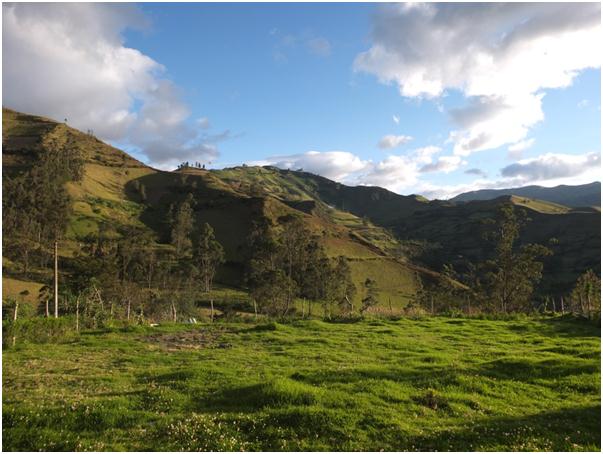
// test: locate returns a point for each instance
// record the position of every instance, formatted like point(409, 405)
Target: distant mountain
point(584, 195)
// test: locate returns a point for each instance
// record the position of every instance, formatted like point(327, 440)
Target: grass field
point(425, 384)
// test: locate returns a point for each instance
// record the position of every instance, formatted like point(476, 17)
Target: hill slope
point(584, 195)
point(441, 232)
point(387, 237)
point(109, 198)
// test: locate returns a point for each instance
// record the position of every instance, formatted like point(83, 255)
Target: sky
point(432, 99)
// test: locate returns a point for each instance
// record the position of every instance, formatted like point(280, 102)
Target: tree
point(270, 291)
point(586, 295)
point(339, 289)
point(513, 272)
point(182, 227)
point(370, 299)
point(209, 254)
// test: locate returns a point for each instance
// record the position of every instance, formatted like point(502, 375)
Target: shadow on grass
point(273, 393)
point(526, 370)
point(570, 429)
point(562, 326)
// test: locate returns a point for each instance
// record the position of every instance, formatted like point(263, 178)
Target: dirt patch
point(193, 340)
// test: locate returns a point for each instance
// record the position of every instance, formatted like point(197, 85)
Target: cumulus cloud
point(395, 172)
point(546, 170)
point(516, 150)
point(500, 56)
point(70, 61)
point(552, 166)
point(392, 141)
point(336, 165)
point(444, 164)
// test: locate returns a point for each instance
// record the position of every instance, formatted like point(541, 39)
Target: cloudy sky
point(435, 99)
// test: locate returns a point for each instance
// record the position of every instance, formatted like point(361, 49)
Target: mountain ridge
point(575, 196)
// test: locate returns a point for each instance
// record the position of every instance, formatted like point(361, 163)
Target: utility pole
point(56, 278)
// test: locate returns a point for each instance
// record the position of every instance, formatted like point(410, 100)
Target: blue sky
point(319, 86)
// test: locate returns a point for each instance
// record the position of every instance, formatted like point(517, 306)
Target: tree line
point(506, 281)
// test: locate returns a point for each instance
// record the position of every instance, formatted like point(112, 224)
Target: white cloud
point(396, 119)
point(552, 166)
point(516, 150)
point(444, 164)
point(395, 172)
point(500, 56)
point(424, 155)
point(392, 141)
point(336, 165)
point(69, 61)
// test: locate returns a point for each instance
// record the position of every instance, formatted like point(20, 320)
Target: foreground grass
point(431, 384)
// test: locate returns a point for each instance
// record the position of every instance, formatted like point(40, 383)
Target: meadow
point(436, 383)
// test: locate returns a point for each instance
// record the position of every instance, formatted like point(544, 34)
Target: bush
point(37, 330)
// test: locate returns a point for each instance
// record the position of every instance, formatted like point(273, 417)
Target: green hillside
point(108, 199)
point(385, 235)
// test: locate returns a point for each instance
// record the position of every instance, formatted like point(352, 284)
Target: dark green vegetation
point(584, 195)
point(424, 384)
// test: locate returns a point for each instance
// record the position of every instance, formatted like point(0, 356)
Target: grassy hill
point(436, 232)
point(385, 235)
point(109, 197)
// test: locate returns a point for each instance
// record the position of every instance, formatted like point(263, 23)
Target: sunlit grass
point(427, 384)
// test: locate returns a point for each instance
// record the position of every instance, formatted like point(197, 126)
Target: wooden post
point(211, 302)
point(128, 310)
point(56, 279)
point(562, 308)
point(16, 310)
point(77, 314)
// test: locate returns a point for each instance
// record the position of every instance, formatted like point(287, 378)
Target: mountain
point(117, 192)
point(435, 233)
point(401, 242)
point(585, 195)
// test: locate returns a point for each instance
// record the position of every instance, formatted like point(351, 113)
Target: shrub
point(37, 330)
